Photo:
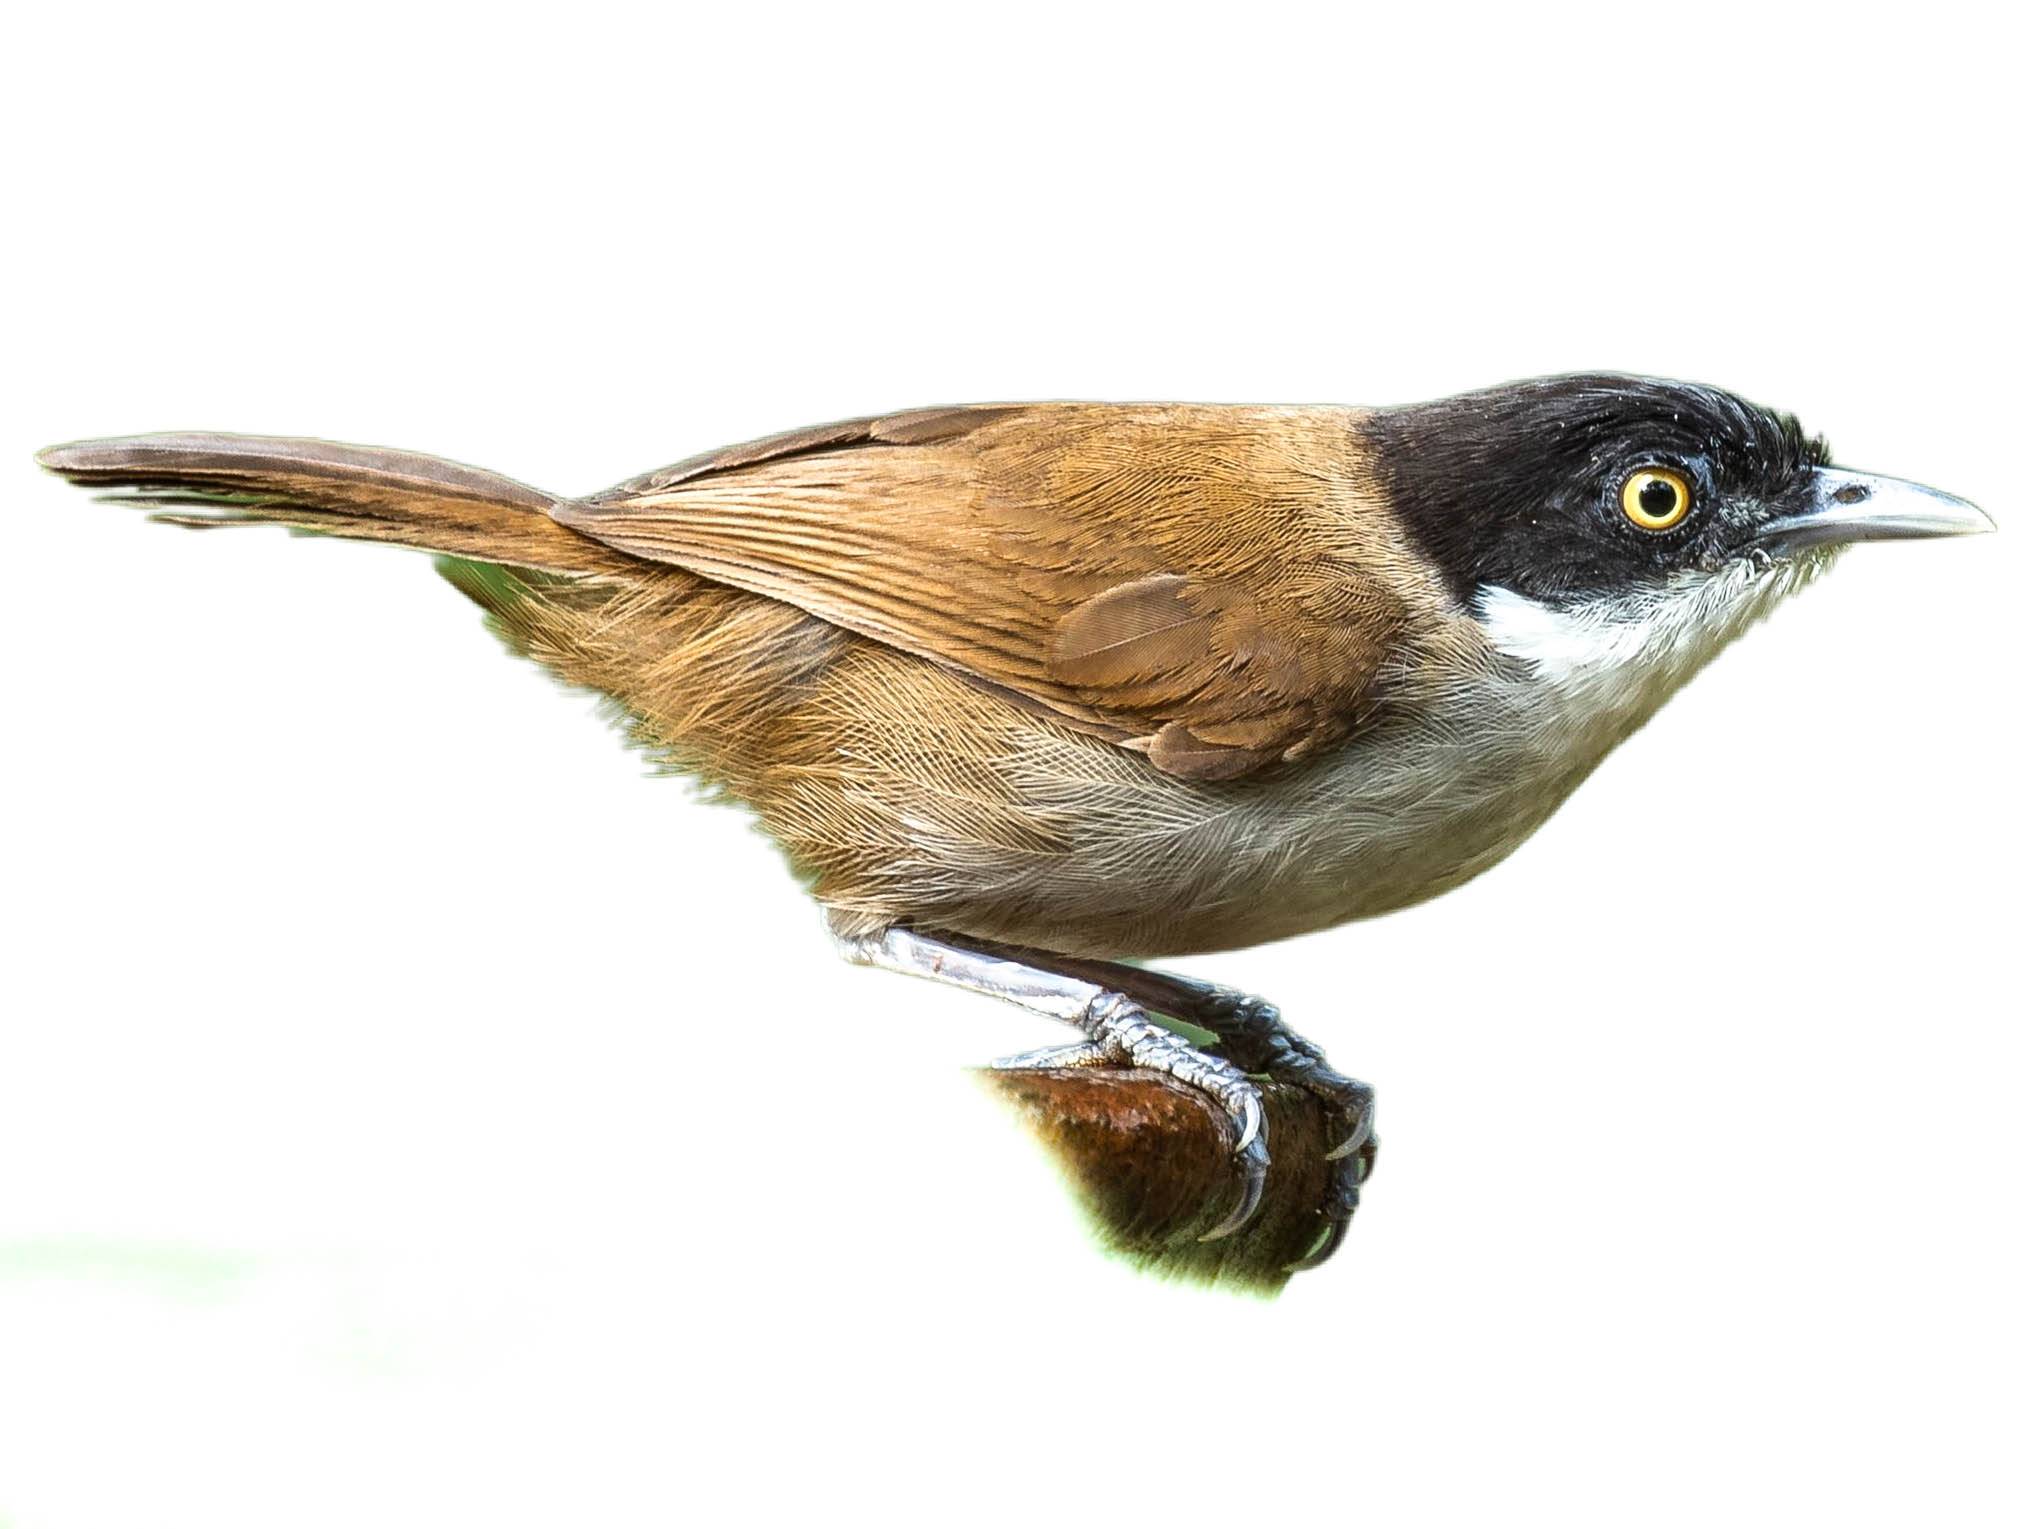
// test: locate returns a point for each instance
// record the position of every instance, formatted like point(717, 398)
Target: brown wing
point(1202, 583)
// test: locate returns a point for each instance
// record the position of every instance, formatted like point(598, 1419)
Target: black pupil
point(1659, 497)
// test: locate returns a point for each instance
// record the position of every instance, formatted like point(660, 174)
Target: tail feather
point(363, 492)
point(709, 678)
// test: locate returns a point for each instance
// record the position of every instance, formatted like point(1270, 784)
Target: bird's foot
point(1252, 1035)
point(1117, 1031)
point(1122, 1035)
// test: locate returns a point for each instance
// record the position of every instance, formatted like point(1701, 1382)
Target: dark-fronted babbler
point(1027, 692)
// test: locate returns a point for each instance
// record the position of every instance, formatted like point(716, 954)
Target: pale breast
point(1001, 825)
point(1410, 810)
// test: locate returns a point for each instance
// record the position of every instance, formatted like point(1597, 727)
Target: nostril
point(1851, 493)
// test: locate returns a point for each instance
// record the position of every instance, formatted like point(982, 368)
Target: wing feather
point(1207, 584)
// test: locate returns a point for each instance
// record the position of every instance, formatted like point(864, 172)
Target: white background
point(412, 1114)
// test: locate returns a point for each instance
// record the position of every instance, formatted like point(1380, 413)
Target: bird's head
point(1615, 532)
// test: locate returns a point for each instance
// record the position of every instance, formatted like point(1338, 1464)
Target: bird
point(1033, 694)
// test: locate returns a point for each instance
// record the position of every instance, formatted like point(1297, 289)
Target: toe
point(1253, 1179)
point(1081, 1054)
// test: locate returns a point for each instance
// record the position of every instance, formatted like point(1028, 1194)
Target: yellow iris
point(1656, 498)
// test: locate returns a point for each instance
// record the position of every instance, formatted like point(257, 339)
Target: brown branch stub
point(1151, 1160)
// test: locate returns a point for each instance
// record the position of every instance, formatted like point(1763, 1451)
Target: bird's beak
point(1861, 507)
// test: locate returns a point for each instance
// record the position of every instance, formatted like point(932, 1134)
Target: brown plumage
point(971, 667)
point(1111, 564)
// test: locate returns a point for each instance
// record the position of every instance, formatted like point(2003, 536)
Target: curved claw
point(1247, 1122)
point(1338, 1213)
point(1320, 1254)
point(1361, 1135)
point(1253, 1159)
point(1355, 1101)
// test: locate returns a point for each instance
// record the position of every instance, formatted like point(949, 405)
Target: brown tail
point(356, 491)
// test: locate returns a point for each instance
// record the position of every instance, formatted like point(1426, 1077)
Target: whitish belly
point(1156, 866)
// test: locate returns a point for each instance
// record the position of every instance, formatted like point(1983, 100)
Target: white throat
point(1616, 658)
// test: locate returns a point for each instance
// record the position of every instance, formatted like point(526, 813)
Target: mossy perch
point(1151, 1160)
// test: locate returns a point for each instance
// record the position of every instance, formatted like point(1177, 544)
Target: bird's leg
point(1116, 1030)
point(1252, 1036)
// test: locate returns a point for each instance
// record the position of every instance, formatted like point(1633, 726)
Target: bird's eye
point(1656, 498)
